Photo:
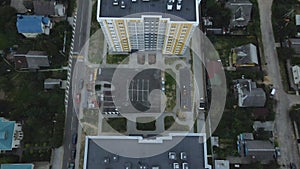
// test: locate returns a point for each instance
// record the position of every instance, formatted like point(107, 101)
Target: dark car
point(293, 166)
point(74, 138)
point(73, 154)
point(81, 83)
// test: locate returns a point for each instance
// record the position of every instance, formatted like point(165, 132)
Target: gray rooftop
point(246, 54)
point(188, 10)
point(295, 44)
point(193, 146)
point(42, 7)
point(241, 12)
point(260, 150)
point(32, 60)
point(249, 94)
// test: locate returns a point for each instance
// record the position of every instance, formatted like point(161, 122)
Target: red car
point(78, 98)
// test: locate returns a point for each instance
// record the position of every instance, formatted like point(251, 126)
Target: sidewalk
point(57, 157)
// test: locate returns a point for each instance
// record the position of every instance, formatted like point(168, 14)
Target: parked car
point(273, 91)
point(71, 165)
point(293, 166)
point(277, 152)
point(78, 98)
point(81, 83)
point(73, 154)
point(202, 104)
point(74, 138)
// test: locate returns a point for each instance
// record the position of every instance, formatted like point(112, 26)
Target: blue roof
point(31, 23)
point(16, 166)
point(6, 134)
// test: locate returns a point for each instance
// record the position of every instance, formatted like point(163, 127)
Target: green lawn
point(170, 90)
point(145, 123)
point(171, 125)
point(117, 59)
point(118, 124)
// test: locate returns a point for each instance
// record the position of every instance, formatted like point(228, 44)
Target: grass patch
point(280, 11)
point(295, 60)
point(94, 24)
point(283, 54)
point(117, 59)
point(118, 124)
point(170, 90)
point(145, 123)
point(171, 125)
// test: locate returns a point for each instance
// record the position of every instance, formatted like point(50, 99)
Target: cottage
point(245, 56)
point(249, 95)
point(241, 12)
point(33, 60)
point(32, 25)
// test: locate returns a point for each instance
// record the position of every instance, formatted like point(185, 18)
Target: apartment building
point(148, 25)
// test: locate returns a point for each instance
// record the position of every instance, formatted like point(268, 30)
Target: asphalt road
point(82, 32)
point(283, 126)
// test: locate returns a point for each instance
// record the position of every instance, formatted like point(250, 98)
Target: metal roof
point(7, 133)
point(31, 23)
point(16, 166)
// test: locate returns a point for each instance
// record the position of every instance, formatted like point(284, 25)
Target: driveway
point(283, 126)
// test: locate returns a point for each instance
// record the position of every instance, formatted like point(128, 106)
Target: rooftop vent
point(115, 2)
point(170, 5)
point(122, 4)
point(178, 6)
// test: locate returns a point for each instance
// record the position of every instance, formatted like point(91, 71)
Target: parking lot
point(142, 93)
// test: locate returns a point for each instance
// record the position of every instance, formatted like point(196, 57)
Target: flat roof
point(188, 10)
point(135, 150)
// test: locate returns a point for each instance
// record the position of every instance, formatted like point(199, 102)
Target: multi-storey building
point(148, 25)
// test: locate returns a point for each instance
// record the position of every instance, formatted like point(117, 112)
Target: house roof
point(221, 164)
point(267, 125)
point(260, 149)
point(31, 60)
point(42, 7)
point(297, 19)
point(295, 44)
point(245, 54)
point(6, 134)
point(249, 95)
point(20, 62)
point(16, 166)
point(241, 10)
point(31, 23)
point(296, 74)
point(59, 9)
point(246, 136)
point(51, 83)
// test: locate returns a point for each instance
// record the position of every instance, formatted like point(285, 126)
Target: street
point(82, 33)
point(283, 126)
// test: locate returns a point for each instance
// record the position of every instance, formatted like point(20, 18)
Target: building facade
point(165, 26)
